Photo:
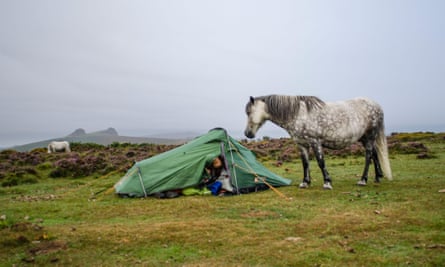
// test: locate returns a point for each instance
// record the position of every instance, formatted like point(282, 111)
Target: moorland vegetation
point(59, 209)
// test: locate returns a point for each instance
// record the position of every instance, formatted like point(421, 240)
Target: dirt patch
point(25, 226)
point(47, 247)
point(35, 198)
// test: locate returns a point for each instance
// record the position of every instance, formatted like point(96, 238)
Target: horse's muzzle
point(249, 134)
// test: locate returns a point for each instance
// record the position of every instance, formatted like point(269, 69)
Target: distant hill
point(103, 137)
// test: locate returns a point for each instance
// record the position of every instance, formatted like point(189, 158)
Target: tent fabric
point(183, 167)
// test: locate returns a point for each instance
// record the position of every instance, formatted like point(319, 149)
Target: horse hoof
point(361, 183)
point(304, 185)
point(327, 186)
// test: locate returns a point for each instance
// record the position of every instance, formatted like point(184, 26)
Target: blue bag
point(215, 187)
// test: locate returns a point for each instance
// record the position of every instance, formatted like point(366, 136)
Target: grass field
point(78, 222)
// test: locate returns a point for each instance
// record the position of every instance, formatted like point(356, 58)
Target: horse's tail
point(382, 152)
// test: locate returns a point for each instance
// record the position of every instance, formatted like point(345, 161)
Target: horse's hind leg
point(378, 169)
point(304, 153)
point(368, 156)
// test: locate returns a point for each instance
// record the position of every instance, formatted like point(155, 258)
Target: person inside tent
point(217, 177)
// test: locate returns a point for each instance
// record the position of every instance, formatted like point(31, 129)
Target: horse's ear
point(252, 100)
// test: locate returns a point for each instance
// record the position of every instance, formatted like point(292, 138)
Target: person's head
point(217, 163)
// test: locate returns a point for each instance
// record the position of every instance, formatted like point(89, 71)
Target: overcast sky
point(141, 66)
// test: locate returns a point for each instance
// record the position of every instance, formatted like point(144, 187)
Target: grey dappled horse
point(313, 123)
point(59, 146)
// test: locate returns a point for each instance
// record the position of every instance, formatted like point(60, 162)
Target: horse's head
point(256, 111)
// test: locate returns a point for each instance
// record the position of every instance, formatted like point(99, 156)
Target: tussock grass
point(400, 222)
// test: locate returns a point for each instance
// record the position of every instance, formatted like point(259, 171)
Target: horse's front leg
point(304, 153)
point(318, 150)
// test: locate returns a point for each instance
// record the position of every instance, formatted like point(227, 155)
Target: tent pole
point(226, 165)
point(142, 183)
point(233, 165)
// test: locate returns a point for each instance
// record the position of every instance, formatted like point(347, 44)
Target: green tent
point(183, 167)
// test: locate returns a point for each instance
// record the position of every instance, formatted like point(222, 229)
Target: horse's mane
point(284, 107)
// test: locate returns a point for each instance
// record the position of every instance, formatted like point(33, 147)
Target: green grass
point(62, 222)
